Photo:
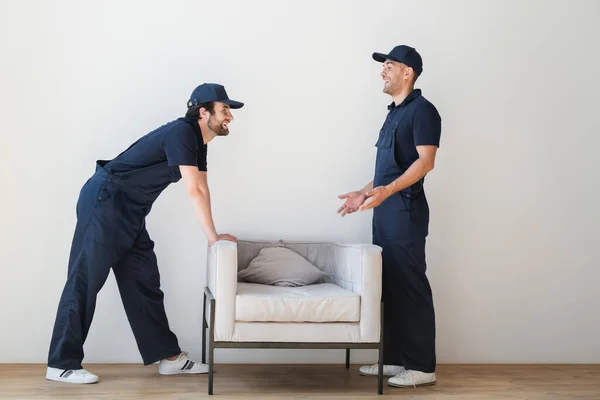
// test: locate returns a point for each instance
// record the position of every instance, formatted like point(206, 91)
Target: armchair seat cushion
point(323, 302)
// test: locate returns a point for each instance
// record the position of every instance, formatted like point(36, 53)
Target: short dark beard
point(216, 127)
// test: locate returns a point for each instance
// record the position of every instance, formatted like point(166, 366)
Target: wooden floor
point(482, 382)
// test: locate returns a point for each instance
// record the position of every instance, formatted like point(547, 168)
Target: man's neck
point(399, 98)
point(207, 134)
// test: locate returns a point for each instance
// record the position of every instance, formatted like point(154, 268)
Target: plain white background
point(514, 258)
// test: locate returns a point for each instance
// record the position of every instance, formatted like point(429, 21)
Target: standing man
point(406, 150)
point(111, 233)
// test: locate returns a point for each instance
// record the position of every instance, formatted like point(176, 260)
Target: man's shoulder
point(425, 108)
point(179, 125)
point(421, 99)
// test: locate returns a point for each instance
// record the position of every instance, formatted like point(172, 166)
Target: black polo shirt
point(178, 142)
point(420, 124)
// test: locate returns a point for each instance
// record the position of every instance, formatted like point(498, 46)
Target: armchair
point(344, 311)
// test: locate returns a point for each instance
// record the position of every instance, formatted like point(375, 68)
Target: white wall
point(513, 253)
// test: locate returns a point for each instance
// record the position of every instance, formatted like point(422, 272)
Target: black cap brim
point(233, 104)
point(382, 57)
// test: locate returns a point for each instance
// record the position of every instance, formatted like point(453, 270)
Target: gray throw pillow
point(279, 266)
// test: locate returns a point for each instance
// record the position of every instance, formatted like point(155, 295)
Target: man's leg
point(417, 309)
point(89, 264)
point(392, 324)
point(99, 241)
point(138, 279)
point(86, 276)
point(415, 313)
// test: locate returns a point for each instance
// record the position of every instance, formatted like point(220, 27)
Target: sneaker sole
point(183, 373)
point(63, 380)
point(365, 374)
point(410, 386)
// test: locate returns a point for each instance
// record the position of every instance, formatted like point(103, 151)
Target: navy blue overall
point(111, 233)
point(400, 227)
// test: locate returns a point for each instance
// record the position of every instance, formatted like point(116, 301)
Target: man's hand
point(376, 197)
point(353, 201)
point(223, 236)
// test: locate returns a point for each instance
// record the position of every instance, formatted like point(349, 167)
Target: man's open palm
point(353, 201)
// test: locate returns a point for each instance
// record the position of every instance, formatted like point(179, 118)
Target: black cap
point(208, 92)
point(404, 54)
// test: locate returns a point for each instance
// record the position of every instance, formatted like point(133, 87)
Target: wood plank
point(331, 382)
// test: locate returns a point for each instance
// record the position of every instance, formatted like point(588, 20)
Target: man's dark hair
point(194, 111)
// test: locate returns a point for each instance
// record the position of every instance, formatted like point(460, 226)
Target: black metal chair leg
point(380, 362)
point(210, 369)
point(211, 346)
point(347, 358)
point(204, 330)
point(380, 374)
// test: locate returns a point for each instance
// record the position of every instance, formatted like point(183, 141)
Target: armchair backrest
point(342, 263)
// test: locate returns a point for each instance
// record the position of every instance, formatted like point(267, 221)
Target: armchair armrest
point(221, 279)
point(359, 268)
point(370, 304)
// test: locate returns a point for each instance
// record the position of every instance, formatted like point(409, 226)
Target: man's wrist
point(393, 187)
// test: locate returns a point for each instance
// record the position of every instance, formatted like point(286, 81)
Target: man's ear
point(202, 112)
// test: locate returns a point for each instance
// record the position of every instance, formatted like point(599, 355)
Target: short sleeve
point(427, 125)
point(181, 146)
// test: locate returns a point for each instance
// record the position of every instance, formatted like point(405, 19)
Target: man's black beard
point(217, 127)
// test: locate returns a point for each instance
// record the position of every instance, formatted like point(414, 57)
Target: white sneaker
point(411, 378)
point(181, 365)
point(373, 370)
point(70, 375)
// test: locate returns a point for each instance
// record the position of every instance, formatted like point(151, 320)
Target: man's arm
point(196, 186)
point(417, 170)
point(427, 129)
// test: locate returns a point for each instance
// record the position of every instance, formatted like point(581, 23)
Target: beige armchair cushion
point(322, 302)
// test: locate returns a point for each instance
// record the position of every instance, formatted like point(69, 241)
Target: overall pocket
point(385, 151)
